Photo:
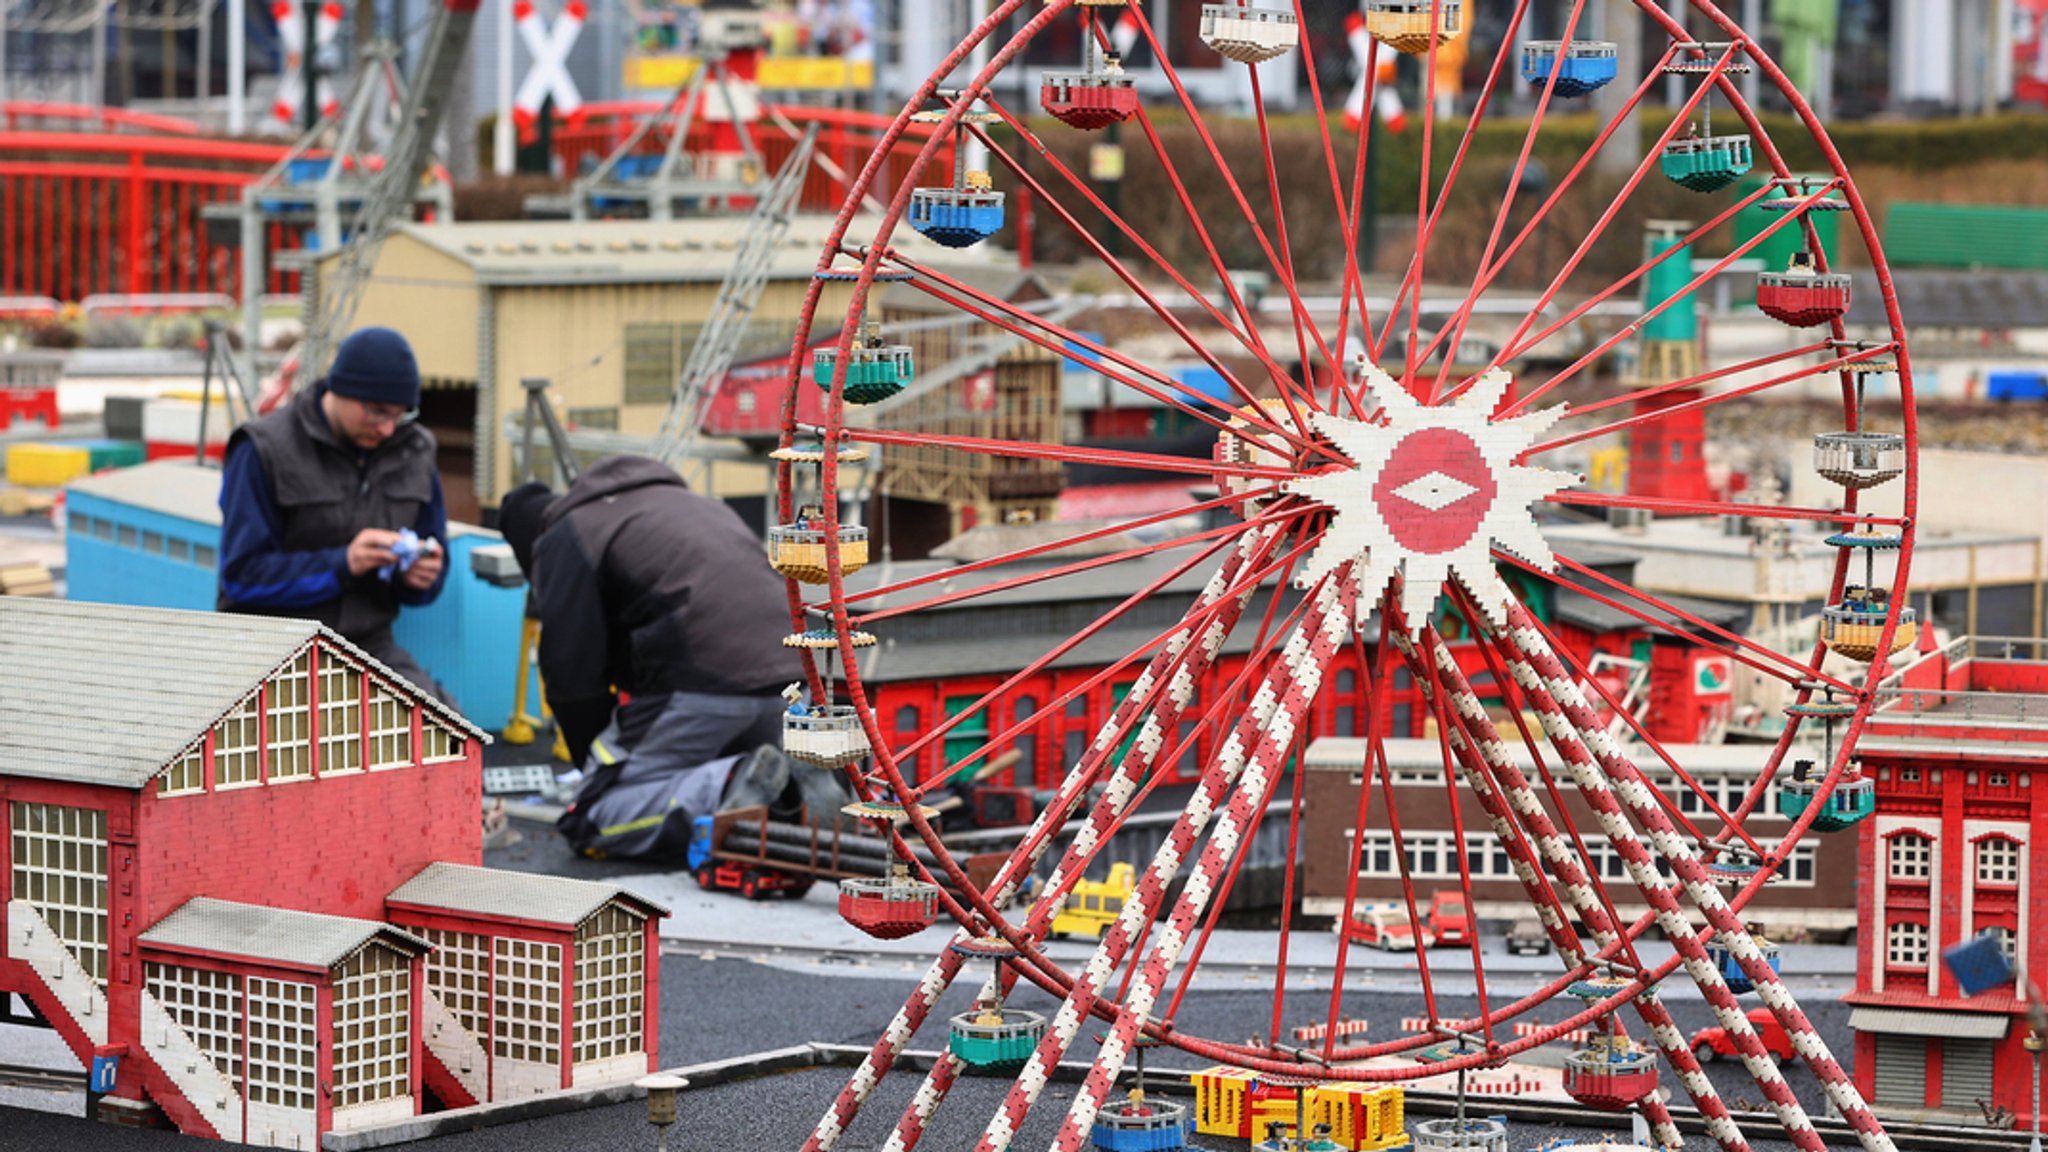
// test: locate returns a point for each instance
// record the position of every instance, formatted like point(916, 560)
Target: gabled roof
point(525, 896)
point(274, 935)
point(109, 694)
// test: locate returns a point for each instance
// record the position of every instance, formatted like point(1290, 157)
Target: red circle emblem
point(1434, 490)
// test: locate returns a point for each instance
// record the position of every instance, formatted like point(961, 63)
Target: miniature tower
point(1666, 455)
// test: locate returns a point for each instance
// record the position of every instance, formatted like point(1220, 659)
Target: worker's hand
point(371, 550)
point(426, 567)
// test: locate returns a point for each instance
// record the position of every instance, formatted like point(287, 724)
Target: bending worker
point(645, 588)
point(331, 506)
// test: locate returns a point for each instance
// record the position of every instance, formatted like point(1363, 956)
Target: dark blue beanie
point(376, 365)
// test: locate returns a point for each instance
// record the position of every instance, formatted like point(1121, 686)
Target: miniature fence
point(88, 213)
point(844, 139)
point(1308, 1032)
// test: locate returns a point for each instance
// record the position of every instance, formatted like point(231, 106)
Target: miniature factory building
point(1955, 745)
point(506, 944)
point(206, 817)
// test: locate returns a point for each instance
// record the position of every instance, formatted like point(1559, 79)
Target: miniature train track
point(44, 1079)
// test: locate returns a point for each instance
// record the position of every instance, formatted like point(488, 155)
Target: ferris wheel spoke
point(1705, 399)
point(1698, 281)
point(1613, 787)
point(1057, 338)
point(1303, 322)
point(1174, 672)
point(1246, 336)
point(1721, 508)
point(1249, 766)
point(1652, 391)
point(1101, 624)
point(1757, 657)
point(1456, 325)
point(1221, 778)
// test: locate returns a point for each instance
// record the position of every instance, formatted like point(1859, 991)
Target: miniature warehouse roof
point(463, 888)
point(109, 694)
point(252, 932)
point(538, 252)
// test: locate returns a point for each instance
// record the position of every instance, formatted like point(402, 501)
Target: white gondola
point(1248, 35)
point(829, 736)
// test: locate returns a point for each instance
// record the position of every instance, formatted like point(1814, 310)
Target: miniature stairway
point(74, 991)
point(191, 1071)
point(458, 1052)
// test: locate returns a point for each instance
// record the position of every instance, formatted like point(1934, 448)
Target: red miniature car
point(1708, 1043)
point(1449, 920)
point(1384, 926)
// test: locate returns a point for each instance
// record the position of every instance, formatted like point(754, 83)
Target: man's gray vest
point(327, 491)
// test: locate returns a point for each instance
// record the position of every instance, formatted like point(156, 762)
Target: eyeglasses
point(385, 414)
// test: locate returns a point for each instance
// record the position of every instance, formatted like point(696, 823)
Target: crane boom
point(726, 327)
point(426, 102)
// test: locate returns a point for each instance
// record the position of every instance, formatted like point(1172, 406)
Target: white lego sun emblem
point(1434, 491)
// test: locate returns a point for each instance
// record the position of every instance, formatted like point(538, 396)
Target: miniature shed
point(149, 536)
point(150, 758)
point(498, 1022)
point(277, 1026)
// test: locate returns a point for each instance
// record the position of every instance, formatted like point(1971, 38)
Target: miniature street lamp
point(661, 1104)
point(1980, 964)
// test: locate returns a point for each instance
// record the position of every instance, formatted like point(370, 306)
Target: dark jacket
point(644, 586)
point(293, 496)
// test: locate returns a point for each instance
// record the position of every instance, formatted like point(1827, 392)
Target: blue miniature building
point(149, 536)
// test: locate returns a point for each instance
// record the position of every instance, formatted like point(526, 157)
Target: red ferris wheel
point(1395, 477)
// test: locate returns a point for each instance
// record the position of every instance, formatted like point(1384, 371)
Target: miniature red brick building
point(206, 815)
point(1954, 747)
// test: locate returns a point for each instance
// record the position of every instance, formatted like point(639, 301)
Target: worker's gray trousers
point(639, 801)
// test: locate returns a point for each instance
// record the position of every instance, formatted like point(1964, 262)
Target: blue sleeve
point(431, 525)
point(255, 569)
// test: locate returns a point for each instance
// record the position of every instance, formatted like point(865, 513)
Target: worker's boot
point(763, 781)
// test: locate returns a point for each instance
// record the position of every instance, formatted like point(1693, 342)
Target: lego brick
point(46, 465)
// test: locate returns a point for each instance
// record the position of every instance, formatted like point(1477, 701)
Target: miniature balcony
point(1406, 27)
point(873, 372)
point(999, 1041)
point(1449, 1134)
point(1089, 100)
point(1706, 163)
point(829, 736)
point(1801, 296)
point(1853, 799)
point(1738, 981)
point(956, 217)
point(820, 639)
point(1610, 1076)
point(1587, 66)
point(1248, 35)
point(1853, 627)
point(1135, 1125)
point(798, 551)
point(888, 907)
point(1859, 459)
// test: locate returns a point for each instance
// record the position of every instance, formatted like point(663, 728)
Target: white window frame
point(388, 724)
point(1907, 944)
point(1998, 873)
point(207, 1005)
point(341, 715)
point(372, 1028)
point(186, 775)
point(526, 1001)
point(439, 743)
point(289, 702)
point(238, 745)
point(611, 994)
point(60, 863)
point(1909, 857)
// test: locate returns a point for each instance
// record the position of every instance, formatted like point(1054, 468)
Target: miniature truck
point(743, 850)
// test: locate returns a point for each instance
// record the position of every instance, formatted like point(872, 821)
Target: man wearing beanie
point(645, 589)
point(331, 506)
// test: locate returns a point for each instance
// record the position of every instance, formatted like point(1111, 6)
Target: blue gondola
point(1732, 974)
point(1588, 65)
point(956, 217)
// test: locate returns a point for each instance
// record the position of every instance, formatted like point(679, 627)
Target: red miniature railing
point(17, 115)
point(86, 213)
point(844, 139)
